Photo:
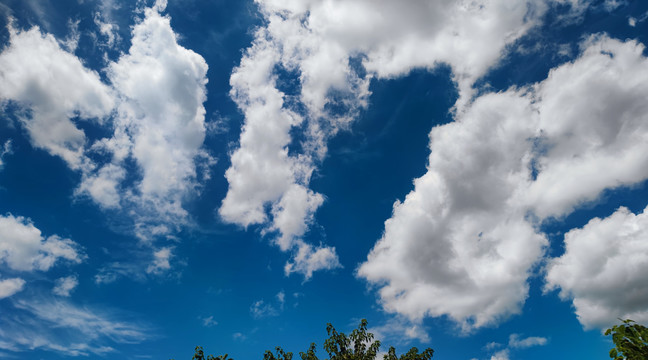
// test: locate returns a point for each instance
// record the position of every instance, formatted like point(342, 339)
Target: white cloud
point(208, 321)
point(11, 286)
point(516, 342)
point(400, 330)
point(464, 242)
point(456, 246)
point(23, 247)
point(603, 269)
point(154, 105)
point(55, 86)
point(65, 285)
point(60, 326)
point(281, 299)
point(501, 355)
point(161, 259)
point(307, 259)
point(159, 124)
point(261, 309)
point(4, 151)
point(317, 40)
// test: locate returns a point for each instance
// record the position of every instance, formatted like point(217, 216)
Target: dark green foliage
point(412, 354)
point(359, 345)
point(630, 340)
point(281, 355)
point(200, 355)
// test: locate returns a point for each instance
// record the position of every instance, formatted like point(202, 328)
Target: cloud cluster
point(335, 48)
point(465, 240)
point(262, 309)
point(159, 124)
point(153, 106)
point(514, 343)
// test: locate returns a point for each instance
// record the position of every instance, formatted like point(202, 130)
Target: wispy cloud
point(61, 326)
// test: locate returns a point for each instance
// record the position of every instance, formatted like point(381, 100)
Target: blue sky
point(469, 176)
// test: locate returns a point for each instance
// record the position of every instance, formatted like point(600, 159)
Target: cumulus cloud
point(307, 259)
point(159, 124)
point(24, 248)
point(603, 269)
point(63, 327)
point(465, 240)
point(318, 41)
point(55, 86)
point(65, 285)
point(153, 105)
point(11, 286)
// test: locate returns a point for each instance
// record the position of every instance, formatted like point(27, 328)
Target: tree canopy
point(630, 340)
point(359, 345)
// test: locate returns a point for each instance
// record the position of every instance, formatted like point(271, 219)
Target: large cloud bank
point(464, 242)
point(321, 43)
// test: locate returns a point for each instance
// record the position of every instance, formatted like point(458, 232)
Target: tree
point(630, 340)
point(359, 345)
point(200, 355)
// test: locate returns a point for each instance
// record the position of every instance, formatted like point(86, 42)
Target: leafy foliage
point(200, 355)
point(630, 340)
point(359, 345)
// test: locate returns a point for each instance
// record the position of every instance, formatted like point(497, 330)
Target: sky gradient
point(469, 176)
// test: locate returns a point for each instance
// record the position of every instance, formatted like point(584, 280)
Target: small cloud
point(492, 346)
point(208, 321)
point(239, 336)
point(9, 287)
point(281, 298)
point(160, 261)
point(516, 342)
point(261, 309)
point(65, 285)
point(399, 329)
point(501, 355)
point(5, 150)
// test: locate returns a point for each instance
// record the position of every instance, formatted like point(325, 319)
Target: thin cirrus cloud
point(153, 106)
point(319, 41)
point(59, 326)
point(464, 242)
